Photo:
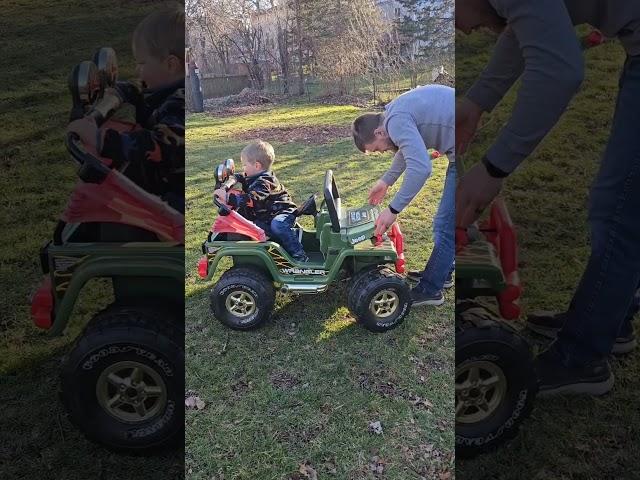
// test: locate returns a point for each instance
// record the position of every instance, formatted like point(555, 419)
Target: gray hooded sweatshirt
point(540, 45)
point(418, 119)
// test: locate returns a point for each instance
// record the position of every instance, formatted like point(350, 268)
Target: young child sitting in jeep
point(153, 156)
point(264, 200)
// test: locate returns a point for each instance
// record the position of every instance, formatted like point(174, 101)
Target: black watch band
point(393, 210)
point(492, 170)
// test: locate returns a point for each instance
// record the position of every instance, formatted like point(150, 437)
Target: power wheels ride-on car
point(495, 383)
point(122, 383)
point(342, 240)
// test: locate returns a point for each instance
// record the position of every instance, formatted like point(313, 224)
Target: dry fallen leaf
point(194, 402)
point(418, 402)
point(330, 466)
point(375, 427)
point(376, 465)
point(308, 471)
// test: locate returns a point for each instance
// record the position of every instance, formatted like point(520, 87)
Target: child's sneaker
point(301, 258)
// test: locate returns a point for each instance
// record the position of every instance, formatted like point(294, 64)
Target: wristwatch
point(492, 170)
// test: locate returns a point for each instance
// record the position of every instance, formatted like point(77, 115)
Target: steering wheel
point(309, 207)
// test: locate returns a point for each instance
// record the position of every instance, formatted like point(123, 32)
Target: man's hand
point(86, 129)
point(476, 190)
point(378, 192)
point(467, 118)
point(221, 195)
point(384, 221)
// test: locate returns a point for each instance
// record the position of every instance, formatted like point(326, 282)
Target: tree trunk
point(196, 93)
point(300, 59)
point(283, 51)
point(257, 77)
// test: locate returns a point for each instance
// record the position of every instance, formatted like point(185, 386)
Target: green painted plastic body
point(351, 249)
point(478, 271)
point(141, 273)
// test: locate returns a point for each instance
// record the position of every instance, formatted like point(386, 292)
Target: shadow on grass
point(37, 440)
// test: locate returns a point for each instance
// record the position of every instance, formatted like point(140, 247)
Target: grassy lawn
point(305, 387)
point(41, 43)
point(565, 437)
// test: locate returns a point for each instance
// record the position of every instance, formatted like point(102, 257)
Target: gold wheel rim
point(384, 303)
point(241, 304)
point(131, 392)
point(480, 388)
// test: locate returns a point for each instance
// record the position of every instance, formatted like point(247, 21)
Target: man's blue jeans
point(280, 229)
point(602, 303)
point(440, 264)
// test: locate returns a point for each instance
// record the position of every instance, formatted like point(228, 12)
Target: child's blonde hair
point(161, 33)
point(259, 151)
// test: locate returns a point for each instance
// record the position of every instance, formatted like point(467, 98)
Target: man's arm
point(404, 133)
point(553, 72)
point(502, 71)
point(398, 165)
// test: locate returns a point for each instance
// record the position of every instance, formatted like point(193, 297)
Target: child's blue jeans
point(281, 230)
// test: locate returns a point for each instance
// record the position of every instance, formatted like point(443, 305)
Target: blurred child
point(153, 156)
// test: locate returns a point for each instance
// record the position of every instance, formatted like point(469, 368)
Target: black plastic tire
point(355, 279)
point(491, 345)
point(249, 283)
point(370, 284)
point(126, 335)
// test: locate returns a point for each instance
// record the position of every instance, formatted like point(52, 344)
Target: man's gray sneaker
point(416, 275)
point(556, 378)
point(548, 324)
point(420, 298)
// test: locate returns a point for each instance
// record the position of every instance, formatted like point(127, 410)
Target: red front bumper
point(203, 267)
point(42, 305)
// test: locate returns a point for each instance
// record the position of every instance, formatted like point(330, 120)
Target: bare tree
point(355, 47)
point(340, 41)
point(233, 31)
point(277, 28)
point(298, 14)
point(200, 18)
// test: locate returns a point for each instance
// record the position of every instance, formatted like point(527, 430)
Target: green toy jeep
point(341, 241)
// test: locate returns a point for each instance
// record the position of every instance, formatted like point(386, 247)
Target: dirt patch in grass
point(374, 383)
point(300, 435)
point(307, 134)
point(429, 461)
point(247, 101)
point(223, 112)
point(335, 99)
point(284, 380)
point(239, 388)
